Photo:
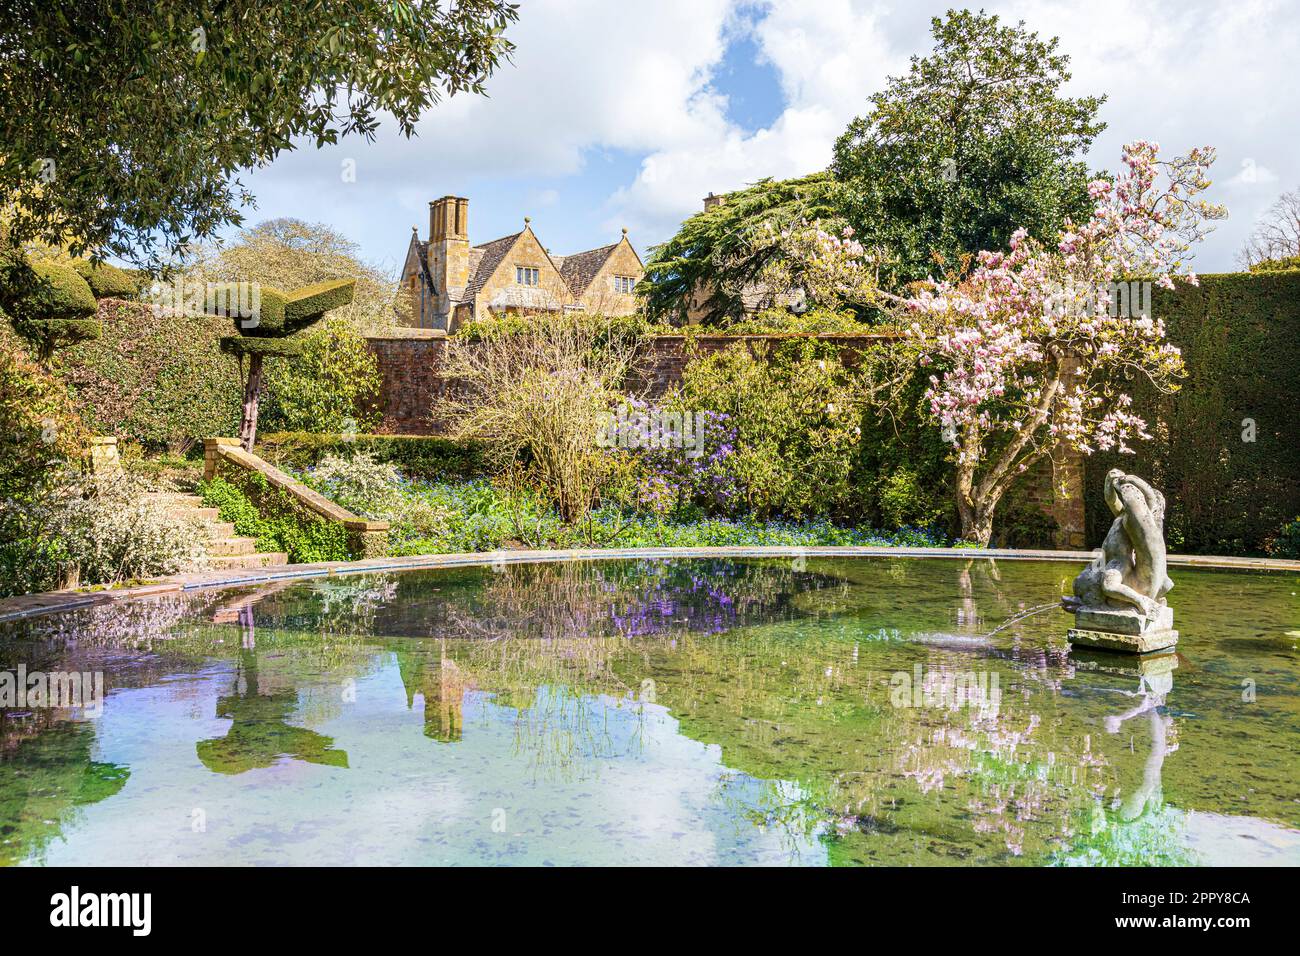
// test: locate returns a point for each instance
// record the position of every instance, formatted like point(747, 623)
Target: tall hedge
point(158, 379)
point(1240, 338)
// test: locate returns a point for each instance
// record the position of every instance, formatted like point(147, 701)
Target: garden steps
point(226, 550)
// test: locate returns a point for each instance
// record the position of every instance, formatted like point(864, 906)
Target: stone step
point(178, 499)
point(228, 547)
point(265, 559)
point(194, 514)
point(220, 529)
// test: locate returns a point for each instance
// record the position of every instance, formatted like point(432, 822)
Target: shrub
point(107, 281)
point(157, 379)
point(40, 434)
point(1225, 453)
point(535, 399)
point(1286, 542)
point(113, 533)
point(796, 410)
point(374, 489)
point(812, 322)
point(331, 386)
point(50, 304)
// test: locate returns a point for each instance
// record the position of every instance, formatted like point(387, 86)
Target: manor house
point(451, 282)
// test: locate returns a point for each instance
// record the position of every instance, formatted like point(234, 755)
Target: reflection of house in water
point(441, 685)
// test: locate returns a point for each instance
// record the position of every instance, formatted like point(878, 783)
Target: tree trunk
point(976, 518)
point(248, 415)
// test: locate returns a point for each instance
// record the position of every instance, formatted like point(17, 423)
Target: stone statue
point(1119, 600)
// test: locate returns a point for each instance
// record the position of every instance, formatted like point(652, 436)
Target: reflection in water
point(657, 711)
point(260, 734)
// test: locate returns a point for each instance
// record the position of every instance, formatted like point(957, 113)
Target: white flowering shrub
point(113, 532)
point(376, 489)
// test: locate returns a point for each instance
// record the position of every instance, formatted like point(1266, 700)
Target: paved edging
point(31, 605)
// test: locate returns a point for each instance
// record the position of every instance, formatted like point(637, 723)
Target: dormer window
point(624, 284)
point(525, 275)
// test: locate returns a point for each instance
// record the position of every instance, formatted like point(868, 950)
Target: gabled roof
point(489, 257)
point(422, 256)
point(580, 269)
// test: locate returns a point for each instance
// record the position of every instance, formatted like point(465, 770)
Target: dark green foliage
point(107, 281)
point(972, 144)
point(233, 299)
point(1240, 337)
point(704, 252)
point(260, 510)
point(422, 457)
point(160, 381)
point(1286, 543)
point(241, 346)
point(125, 122)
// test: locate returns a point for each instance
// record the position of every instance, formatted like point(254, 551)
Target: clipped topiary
point(107, 281)
point(268, 321)
point(50, 305)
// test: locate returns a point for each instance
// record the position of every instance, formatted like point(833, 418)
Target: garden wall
point(411, 361)
point(1227, 445)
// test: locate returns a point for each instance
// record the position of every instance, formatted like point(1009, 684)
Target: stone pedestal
point(1127, 630)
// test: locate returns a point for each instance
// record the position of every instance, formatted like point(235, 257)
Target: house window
point(624, 284)
point(526, 276)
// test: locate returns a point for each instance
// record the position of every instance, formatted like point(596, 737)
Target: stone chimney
point(711, 200)
point(449, 249)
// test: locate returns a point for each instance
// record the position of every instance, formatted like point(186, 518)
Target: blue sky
point(627, 112)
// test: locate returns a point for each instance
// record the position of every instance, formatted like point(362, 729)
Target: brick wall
point(410, 361)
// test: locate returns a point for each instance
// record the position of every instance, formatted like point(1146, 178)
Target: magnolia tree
point(1033, 350)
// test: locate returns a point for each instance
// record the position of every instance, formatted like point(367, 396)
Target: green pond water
point(818, 712)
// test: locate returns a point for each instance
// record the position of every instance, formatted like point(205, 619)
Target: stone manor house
point(451, 282)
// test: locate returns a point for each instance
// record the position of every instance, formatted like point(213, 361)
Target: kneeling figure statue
point(1119, 600)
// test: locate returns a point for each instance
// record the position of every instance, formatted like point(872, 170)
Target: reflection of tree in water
point(260, 735)
point(45, 777)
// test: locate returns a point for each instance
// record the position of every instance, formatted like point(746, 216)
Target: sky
point(626, 113)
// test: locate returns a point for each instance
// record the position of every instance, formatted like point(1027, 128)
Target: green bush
point(262, 511)
point(422, 457)
point(1286, 542)
point(50, 304)
point(812, 322)
point(332, 385)
point(40, 435)
point(107, 281)
point(159, 380)
point(1225, 452)
point(1284, 264)
point(796, 409)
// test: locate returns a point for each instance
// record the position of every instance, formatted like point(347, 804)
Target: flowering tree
point(810, 263)
point(1031, 351)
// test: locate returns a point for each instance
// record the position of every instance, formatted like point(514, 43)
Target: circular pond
point(807, 711)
